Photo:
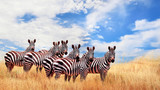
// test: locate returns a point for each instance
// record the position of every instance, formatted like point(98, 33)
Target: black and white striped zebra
point(15, 58)
point(102, 65)
point(47, 63)
point(36, 58)
point(71, 67)
point(63, 48)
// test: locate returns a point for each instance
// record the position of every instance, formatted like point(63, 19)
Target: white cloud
point(10, 47)
point(100, 36)
point(132, 45)
point(153, 54)
point(145, 25)
point(101, 10)
point(43, 28)
point(109, 28)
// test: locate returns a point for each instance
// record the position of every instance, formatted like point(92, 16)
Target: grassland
point(140, 74)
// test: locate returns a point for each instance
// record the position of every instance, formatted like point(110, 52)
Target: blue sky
point(131, 25)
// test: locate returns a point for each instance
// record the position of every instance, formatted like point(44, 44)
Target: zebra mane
point(84, 56)
point(106, 56)
point(51, 49)
point(27, 49)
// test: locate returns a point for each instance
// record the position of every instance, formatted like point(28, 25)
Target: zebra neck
point(51, 52)
point(85, 60)
point(70, 55)
point(107, 61)
point(28, 49)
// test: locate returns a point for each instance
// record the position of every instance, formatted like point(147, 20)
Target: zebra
point(36, 58)
point(71, 67)
point(63, 48)
point(15, 58)
point(47, 63)
point(102, 65)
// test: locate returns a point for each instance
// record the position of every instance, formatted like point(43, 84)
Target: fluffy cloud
point(43, 28)
point(101, 10)
point(132, 45)
point(145, 25)
point(100, 36)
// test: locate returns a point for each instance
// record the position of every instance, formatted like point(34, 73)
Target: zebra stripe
point(71, 67)
point(15, 58)
point(102, 65)
point(99, 64)
point(36, 58)
point(48, 62)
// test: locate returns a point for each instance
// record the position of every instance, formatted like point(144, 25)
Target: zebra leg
point(37, 69)
point(105, 73)
point(69, 78)
point(9, 66)
point(74, 78)
point(27, 67)
point(12, 66)
point(57, 75)
point(40, 69)
point(65, 78)
point(52, 74)
point(85, 74)
point(101, 76)
point(82, 76)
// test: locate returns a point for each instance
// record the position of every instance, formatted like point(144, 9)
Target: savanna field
point(141, 74)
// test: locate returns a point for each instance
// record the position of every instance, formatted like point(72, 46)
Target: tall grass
point(142, 73)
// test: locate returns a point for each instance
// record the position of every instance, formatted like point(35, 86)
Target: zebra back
point(48, 62)
point(16, 58)
point(36, 58)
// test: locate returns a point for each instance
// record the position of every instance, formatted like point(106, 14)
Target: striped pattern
point(102, 65)
point(48, 62)
point(15, 58)
point(36, 58)
point(99, 64)
point(71, 67)
point(43, 51)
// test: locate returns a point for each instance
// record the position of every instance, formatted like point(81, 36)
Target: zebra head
point(31, 45)
point(110, 55)
point(90, 54)
point(76, 51)
point(55, 49)
point(64, 47)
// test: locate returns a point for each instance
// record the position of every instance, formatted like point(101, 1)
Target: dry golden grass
point(140, 74)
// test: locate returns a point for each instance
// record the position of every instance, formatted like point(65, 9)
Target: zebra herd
point(54, 63)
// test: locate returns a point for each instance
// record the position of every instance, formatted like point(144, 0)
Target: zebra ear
point(79, 45)
point(109, 47)
point(114, 47)
point(54, 43)
point(58, 42)
point(88, 48)
point(72, 46)
point(29, 41)
point(66, 41)
point(62, 41)
point(93, 47)
point(34, 40)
